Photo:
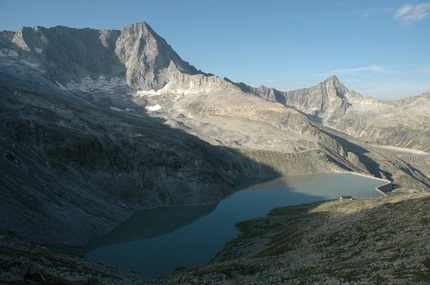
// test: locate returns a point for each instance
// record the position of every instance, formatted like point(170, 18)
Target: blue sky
point(377, 48)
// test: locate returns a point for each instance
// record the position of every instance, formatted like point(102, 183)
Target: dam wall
point(385, 188)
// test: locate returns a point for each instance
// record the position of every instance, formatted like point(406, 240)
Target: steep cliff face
point(136, 54)
point(89, 63)
point(68, 55)
point(147, 58)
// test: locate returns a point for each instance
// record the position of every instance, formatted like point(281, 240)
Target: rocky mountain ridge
point(400, 123)
point(136, 61)
point(135, 54)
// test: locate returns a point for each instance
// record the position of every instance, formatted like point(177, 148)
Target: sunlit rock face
point(147, 58)
point(402, 123)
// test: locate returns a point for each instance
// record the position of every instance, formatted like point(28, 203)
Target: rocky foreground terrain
point(378, 240)
point(381, 240)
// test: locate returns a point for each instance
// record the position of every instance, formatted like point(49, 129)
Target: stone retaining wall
point(414, 157)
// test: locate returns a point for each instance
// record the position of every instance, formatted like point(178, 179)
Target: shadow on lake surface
point(155, 242)
point(150, 223)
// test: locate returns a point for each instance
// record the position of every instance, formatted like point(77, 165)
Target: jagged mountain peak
point(334, 83)
point(141, 24)
point(136, 55)
point(143, 30)
point(332, 80)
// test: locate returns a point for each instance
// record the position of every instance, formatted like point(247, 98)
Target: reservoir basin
point(153, 242)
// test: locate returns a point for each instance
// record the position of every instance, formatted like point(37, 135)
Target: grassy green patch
point(425, 221)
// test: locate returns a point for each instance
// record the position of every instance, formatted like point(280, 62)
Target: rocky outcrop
point(136, 54)
point(320, 102)
point(147, 58)
point(68, 55)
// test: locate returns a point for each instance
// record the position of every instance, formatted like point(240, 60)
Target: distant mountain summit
point(136, 58)
point(319, 102)
point(380, 122)
point(148, 58)
point(135, 54)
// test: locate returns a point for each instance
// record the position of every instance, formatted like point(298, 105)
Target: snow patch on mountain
point(168, 88)
point(62, 87)
point(88, 84)
point(38, 50)
point(185, 84)
point(120, 110)
point(153, 108)
point(8, 52)
point(180, 68)
point(30, 64)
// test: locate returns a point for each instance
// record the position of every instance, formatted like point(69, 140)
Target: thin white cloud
point(356, 71)
point(372, 12)
point(423, 70)
point(410, 13)
point(391, 90)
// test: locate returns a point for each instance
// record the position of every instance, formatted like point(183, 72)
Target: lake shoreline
point(252, 199)
point(330, 242)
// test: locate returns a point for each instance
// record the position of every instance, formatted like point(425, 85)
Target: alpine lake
point(153, 242)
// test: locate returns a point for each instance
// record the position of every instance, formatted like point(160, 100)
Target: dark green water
point(154, 242)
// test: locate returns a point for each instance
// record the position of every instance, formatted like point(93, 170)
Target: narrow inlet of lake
point(154, 242)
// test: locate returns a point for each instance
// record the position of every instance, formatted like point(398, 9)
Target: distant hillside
point(401, 123)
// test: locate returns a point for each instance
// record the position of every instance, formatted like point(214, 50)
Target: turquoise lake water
point(154, 242)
